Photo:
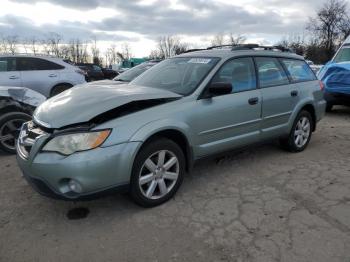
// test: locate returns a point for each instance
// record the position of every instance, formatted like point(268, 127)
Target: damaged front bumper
point(94, 172)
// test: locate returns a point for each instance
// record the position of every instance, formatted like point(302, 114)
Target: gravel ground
point(261, 204)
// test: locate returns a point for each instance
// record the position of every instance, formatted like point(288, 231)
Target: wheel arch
point(176, 135)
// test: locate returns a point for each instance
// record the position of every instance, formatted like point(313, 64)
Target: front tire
point(10, 125)
point(157, 173)
point(300, 134)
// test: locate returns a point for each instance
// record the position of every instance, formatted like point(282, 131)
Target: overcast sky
point(141, 22)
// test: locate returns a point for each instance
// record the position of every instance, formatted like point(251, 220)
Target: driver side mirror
point(219, 89)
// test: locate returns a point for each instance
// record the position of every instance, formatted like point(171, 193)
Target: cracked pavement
point(259, 204)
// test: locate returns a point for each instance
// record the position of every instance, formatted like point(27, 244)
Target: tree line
point(322, 36)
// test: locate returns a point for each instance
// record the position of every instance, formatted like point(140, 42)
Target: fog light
point(74, 186)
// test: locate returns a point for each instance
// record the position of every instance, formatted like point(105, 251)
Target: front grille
point(27, 137)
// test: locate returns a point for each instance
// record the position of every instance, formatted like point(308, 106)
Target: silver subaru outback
point(144, 136)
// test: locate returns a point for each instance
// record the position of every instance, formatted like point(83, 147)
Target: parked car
point(128, 75)
point(314, 67)
point(16, 107)
point(143, 136)
point(336, 77)
point(46, 75)
point(92, 72)
point(109, 73)
point(134, 72)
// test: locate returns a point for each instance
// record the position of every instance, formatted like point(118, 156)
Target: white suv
point(46, 75)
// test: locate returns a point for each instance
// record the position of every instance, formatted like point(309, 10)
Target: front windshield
point(132, 73)
point(343, 55)
point(181, 75)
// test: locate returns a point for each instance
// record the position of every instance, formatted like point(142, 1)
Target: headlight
point(68, 144)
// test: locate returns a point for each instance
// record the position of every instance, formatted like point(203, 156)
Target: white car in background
point(46, 75)
point(314, 67)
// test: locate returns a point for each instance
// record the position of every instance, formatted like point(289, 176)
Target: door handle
point(294, 93)
point(52, 75)
point(253, 101)
point(13, 77)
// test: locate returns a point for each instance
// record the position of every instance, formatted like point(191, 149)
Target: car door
point(278, 96)
point(232, 120)
point(39, 74)
point(9, 76)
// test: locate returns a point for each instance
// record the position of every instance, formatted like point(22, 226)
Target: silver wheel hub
point(302, 132)
point(158, 174)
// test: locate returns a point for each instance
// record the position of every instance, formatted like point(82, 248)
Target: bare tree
point(53, 42)
point(126, 51)
point(12, 42)
point(33, 44)
point(169, 46)
point(95, 51)
point(236, 39)
point(218, 39)
point(328, 23)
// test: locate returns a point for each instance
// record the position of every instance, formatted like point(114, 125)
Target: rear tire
point(300, 134)
point(59, 89)
point(10, 125)
point(157, 173)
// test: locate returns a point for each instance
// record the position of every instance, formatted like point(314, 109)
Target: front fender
point(157, 126)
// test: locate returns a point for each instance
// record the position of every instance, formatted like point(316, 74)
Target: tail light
point(321, 85)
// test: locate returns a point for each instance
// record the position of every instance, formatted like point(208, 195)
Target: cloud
point(195, 18)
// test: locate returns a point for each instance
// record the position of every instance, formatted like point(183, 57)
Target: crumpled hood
point(84, 102)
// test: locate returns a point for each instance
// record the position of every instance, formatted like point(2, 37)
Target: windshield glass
point(132, 73)
point(181, 75)
point(343, 55)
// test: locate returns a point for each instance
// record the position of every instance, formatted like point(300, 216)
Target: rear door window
point(271, 72)
point(239, 72)
point(7, 64)
point(298, 70)
point(34, 64)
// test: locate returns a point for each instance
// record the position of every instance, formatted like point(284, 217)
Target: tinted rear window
point(7, 64)
point(33, 64)
point(298, 70)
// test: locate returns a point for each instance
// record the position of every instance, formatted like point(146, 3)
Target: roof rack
point(245, 47)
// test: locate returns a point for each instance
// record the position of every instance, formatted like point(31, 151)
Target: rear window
point(271, 72)
point(7, 64)
point(298, 70)
point(33, 64)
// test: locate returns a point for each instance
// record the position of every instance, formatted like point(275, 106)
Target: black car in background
point(16, 107)
point(92, 72)
point(109, 73)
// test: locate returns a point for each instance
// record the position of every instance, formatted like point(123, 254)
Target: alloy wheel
point(302, 132)
point(9, 132)
point(158, 174)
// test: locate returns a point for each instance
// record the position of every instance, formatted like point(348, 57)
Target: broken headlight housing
point(71, 143)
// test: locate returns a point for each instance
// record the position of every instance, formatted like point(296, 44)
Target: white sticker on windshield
point(199, 61)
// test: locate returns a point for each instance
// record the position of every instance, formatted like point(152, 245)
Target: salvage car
point(16, 107)
point(336, 77)
point(44, 74)
point(144, 136)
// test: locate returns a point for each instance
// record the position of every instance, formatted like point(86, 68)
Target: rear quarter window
point(271, 72)
point(298, 70)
